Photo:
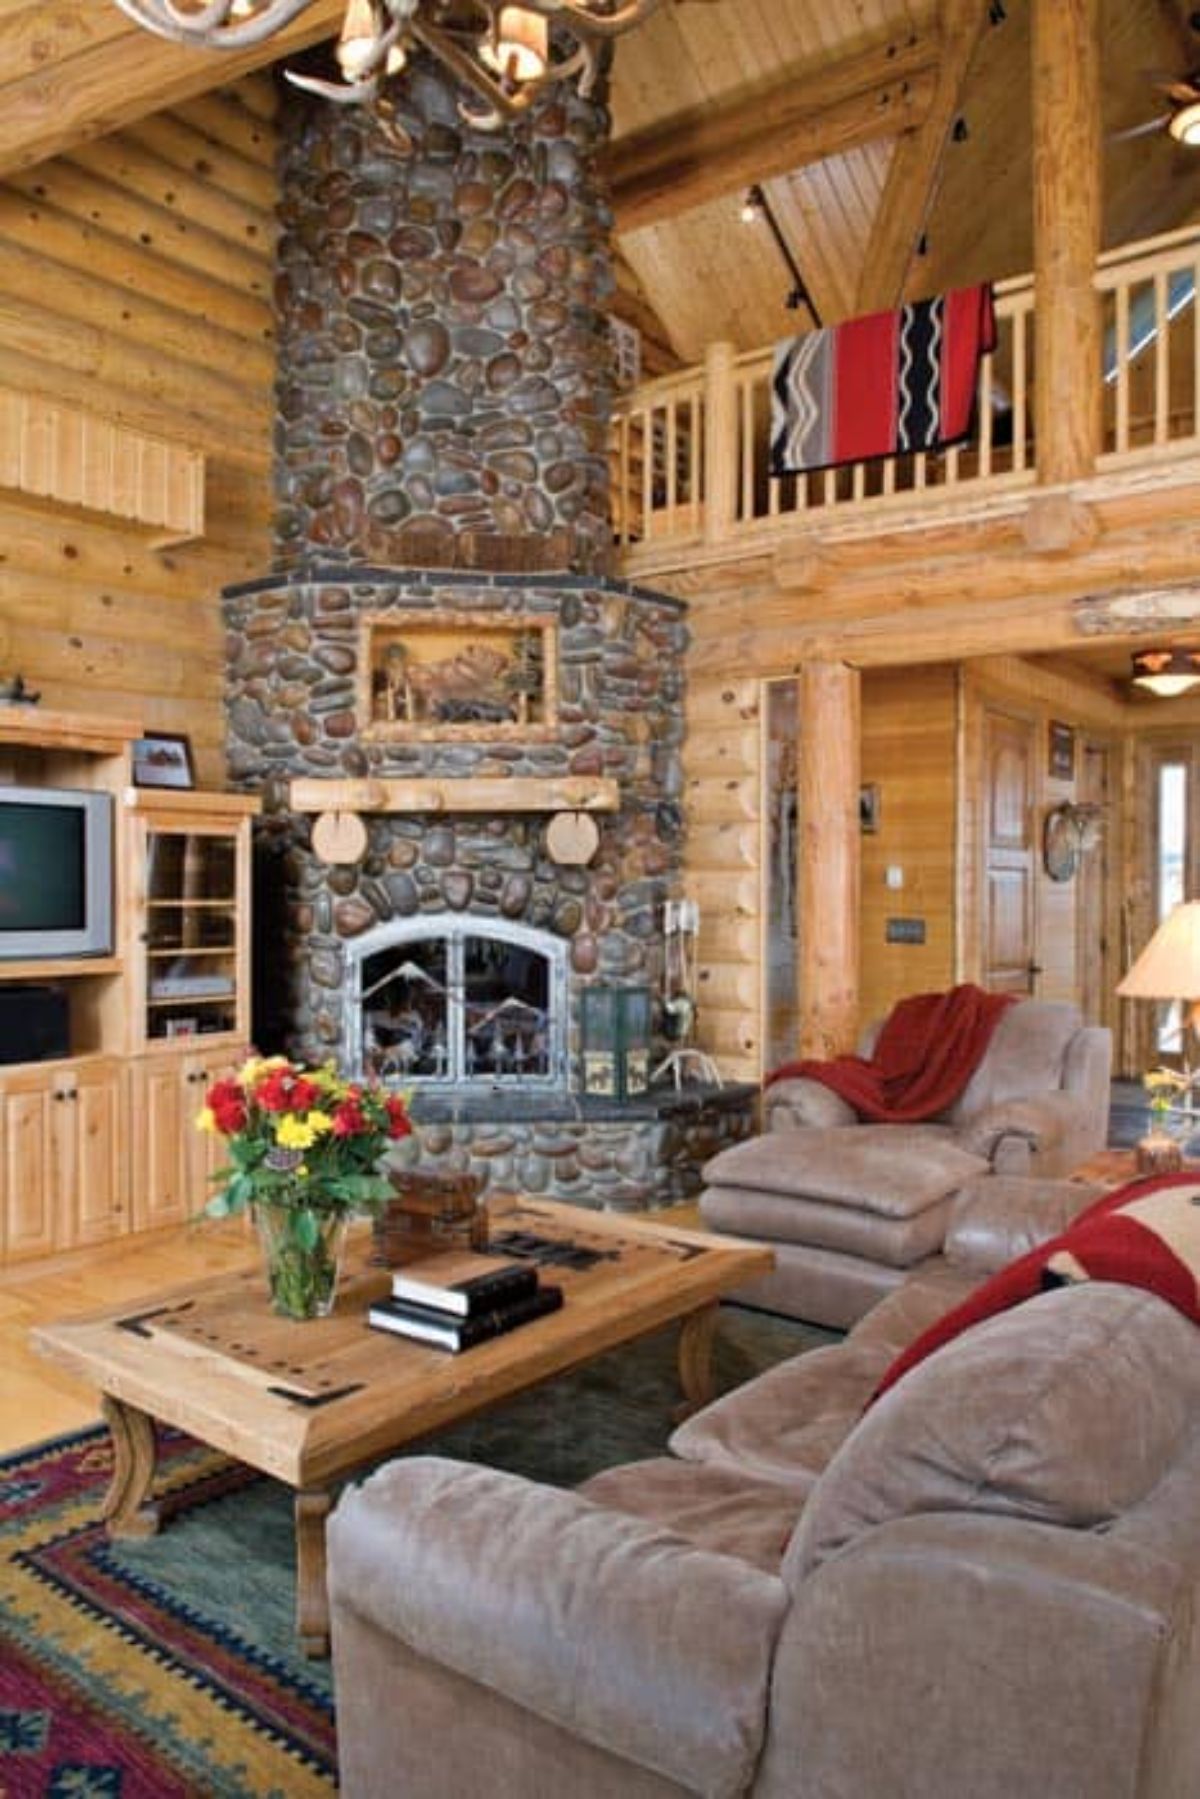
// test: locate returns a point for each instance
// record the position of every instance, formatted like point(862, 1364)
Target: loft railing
point(690, 457)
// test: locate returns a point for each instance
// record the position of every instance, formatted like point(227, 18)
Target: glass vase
point(302, 1247)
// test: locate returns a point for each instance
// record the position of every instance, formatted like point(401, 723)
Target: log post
point(1066, 229)
point(721, 440)
point(828, 848)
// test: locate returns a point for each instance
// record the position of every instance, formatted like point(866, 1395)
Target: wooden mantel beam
point(470, 793)
point(807, 115)
point(105, 78)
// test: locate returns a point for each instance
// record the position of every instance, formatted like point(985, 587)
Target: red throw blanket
point(883, 385)
point(927, 1051)
point(1145, 1234)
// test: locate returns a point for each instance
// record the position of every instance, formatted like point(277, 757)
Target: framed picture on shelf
point(164, 760)
point(181, 1027)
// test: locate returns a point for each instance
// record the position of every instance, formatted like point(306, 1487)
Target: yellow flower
point(328, 1079)
point(319, 1123)
point(295, 1133)
point(252, 1071)
point(206, 1121)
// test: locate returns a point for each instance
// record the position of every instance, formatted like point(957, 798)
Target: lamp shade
point(1169, 966)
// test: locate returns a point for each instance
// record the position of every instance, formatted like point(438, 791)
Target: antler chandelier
point(503, 53)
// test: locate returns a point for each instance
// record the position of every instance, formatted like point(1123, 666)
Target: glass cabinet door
point(191, 933)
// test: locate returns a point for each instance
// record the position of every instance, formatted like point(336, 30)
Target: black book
point(426, 1324)
point(464, 1282)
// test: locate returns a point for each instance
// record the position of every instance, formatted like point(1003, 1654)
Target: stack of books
point(459, 1298)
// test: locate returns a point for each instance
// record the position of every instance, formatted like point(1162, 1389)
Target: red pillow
point(1130, 1235)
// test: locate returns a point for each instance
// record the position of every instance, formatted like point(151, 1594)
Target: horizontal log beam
point(115, 79)
point(806, 116)
point(473, 793)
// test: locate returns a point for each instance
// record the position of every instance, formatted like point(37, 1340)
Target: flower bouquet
point(305, 1148)
point(1166, 1090)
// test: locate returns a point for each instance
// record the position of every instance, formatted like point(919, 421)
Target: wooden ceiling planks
point(708, 276)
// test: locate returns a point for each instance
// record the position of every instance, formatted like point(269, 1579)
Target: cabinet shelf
point(194, 999)
point(191, 905)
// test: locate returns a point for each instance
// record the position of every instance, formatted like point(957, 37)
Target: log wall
point(135, 287)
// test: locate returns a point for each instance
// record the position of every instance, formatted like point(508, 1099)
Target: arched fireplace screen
point(452, 1002)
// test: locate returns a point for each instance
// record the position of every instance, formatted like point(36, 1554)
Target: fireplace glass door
point(457, 1005)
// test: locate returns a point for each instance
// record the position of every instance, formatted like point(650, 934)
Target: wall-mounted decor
point(163, 761)
point(1061, 757)
point(869, 807)
point(458, 674)
point(1060, 843)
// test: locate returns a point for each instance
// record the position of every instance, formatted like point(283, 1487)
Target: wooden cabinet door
point(158, 1116)
point(28, 1166)
point(174, 1160)
point(94, 1147)
point(1010, 870)
point(204, 1153)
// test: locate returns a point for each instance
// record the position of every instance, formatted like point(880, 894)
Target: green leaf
point(305, 1228)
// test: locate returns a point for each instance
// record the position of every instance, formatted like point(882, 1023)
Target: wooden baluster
point(720, 404)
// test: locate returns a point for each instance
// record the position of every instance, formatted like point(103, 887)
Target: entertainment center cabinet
point(101, 1140)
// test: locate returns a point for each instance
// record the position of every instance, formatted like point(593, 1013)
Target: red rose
point(348, 1120)
point(228, 1107)
point(273, 1092)
point(304, 1095)
point(397, 1115)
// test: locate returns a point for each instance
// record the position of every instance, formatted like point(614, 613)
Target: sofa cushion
point(783, 1426)
point(714, 1507)
point(855, 1230)
point(1017, 1417)
point(896, 1170)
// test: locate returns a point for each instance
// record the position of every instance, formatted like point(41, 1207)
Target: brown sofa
point(984, 1586)
point(851, 1209)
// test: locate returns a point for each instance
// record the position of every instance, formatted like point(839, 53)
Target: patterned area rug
point(168, 1668)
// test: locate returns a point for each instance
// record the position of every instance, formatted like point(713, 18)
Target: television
point(56, 873)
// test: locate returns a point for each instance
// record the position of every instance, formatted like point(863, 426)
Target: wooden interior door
point(1009, 854)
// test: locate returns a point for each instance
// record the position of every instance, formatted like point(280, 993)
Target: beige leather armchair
point(852, 1209)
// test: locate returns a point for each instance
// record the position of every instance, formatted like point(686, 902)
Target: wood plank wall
point(909, 755)
point(135, 283)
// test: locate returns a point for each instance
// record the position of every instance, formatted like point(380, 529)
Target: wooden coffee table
point(310, 1403)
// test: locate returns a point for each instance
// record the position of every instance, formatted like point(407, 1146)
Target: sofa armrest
point(999, 1654)
point(997, 1218)
point(610, 1627)
point(791, 1105)
point(1012, 1133)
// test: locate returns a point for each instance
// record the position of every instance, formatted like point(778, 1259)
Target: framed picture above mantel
point(458, 675)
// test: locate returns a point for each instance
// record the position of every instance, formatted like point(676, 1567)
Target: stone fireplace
point(439, 636)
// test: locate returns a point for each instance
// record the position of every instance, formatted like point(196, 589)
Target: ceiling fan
point(1181, 121)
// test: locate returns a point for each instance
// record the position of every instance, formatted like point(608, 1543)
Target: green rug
point(167, 1668)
